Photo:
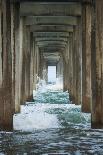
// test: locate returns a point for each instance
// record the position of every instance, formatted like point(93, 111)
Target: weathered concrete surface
point(36, 65)
point(13, 53)
point(77, 52)
point(97, 65)
point(59, 68)
point(55, 9)
point(25, 87)
point(27, 63)
point(45, 71)
point(31, 65)
point(23, 64)
point(65, 56)
point(71, 66)
point(86, 58)
point(65, 82)
point(0, 48)
point(6, 104)
point(51, 34)
point(46, 20)
point(52, 28)
point(18, 57)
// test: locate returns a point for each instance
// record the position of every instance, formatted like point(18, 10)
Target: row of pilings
point(83, 62)
point(20, 62)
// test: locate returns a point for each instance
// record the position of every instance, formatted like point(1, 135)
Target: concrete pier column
point(27, 63)
point(65, 55)
point(6, 104)
point(65, 73)
point(41, 65)
point(64, 76)
point(36, 65)
point(71, 65)
point(86, 57)
point(17, 57)
point(24, 63)
point(13, 52)
point(74, 70)
point(97, 64)
point(59, 68)
point(1, 58)
point(25, 79)
point(77, 52)
point(31, 65)
point(45, 71)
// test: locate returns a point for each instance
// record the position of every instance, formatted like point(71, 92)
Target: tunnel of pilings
point(35, 35)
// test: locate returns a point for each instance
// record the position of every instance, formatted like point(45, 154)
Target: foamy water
point(51, 109)
point(51, 124)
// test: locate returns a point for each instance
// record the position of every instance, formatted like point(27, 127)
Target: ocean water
point(51, 124)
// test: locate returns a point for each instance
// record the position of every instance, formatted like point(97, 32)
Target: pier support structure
point(86, 57)
point(26, 30)
point(97, 64)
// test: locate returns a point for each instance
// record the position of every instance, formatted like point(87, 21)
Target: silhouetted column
point(86, 57)
point(97, 64)
point(6, 104)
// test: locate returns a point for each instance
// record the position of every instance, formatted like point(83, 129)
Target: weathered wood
point(86, 58)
